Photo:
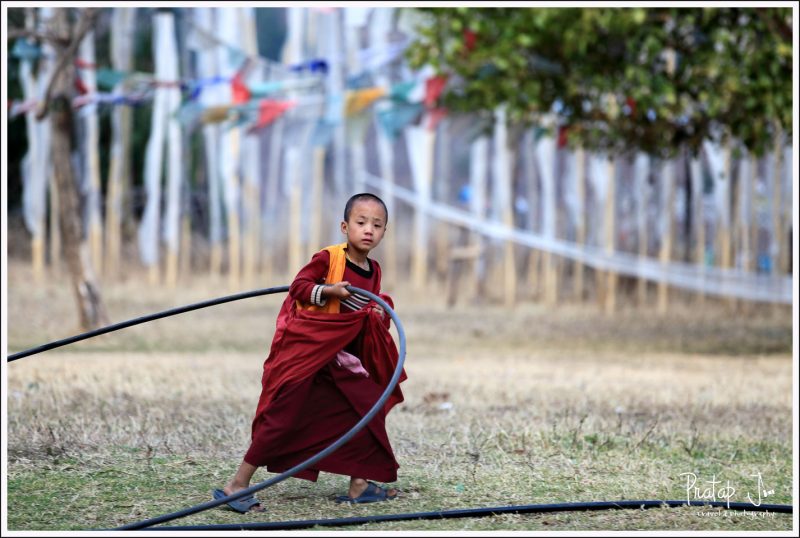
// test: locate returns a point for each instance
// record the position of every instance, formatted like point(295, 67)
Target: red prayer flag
point(80, 86)
point(269, 111)
point(433, 89)
point(563, 133)
point(240, 92)
point(470, 38)
point(631, 102)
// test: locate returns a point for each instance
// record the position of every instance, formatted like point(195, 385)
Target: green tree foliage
point(622, 79)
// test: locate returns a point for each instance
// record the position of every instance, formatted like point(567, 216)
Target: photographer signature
point(713, 490)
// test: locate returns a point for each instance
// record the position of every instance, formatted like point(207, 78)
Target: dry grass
point(534, 407)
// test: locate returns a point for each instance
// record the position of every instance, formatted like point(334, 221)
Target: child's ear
point(343, 227)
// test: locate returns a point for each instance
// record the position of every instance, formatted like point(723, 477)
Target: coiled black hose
point(302, 524)
point(297, 468)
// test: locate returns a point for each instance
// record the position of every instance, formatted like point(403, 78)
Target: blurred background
point(590, 246)
point(615, 156)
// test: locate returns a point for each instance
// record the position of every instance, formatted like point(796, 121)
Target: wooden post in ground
point(696, 170)
point(777, 246)
point(642, 171)
point(168, 52)
point(37, 160)
point(503, 157)
point(420, 142)
point(209, 64)
point(478, 162)
point(667, 229)
point(441, 183)
point(250, 161)
point(317, 182)
point(545, 157)
point(273, 193)
point(91, 153)
point(295, 193)
point(122, 24)
point(785, 210)
point(532, 278)
point(580, 229)
point(55, 232)
point(610, 234)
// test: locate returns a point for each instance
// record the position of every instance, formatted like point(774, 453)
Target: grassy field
point(533, 406)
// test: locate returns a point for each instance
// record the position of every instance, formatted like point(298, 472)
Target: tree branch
point(17, 33)
point(66, 57)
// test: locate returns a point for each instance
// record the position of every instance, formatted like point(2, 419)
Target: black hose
point(144, 319)
point(477, 512)
point(313, 459)
point(297, 468)
point(301, 524)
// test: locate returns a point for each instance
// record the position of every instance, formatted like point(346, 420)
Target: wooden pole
point(478, 169)
point(55, 232)
point(92, 155)
point(777, 246)
point(317, 181)
point(785, 210)
point(580, 229)
point(442, 162)
point(610, 233)
point(699, 218)
point(36, 160)
point(642, 168)
point(295, 224)
point(665, 252)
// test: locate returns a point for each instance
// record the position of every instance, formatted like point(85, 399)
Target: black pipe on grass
point(302, 524)
point(477, 512)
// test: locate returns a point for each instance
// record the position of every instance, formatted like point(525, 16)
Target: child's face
point(365, 226)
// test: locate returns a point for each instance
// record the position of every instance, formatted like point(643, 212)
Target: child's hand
point(379, 310)
point(337, 290)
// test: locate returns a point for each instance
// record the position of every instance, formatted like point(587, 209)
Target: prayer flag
point(356, 101)
point(269, 111)
point(433, 88)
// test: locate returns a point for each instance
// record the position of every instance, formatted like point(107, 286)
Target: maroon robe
point(308, 400)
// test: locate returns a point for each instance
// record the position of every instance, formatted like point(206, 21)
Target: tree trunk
point(76, 250)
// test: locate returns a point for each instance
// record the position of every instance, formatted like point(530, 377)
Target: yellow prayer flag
point(215, 114)
point(358, 100)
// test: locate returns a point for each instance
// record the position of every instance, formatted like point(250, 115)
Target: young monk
point(331, 359)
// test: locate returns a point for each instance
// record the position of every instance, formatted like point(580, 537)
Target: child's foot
point(364, 491)
point(231, 488)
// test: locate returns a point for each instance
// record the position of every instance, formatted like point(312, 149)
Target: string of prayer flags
point(359, 81)
point(470, 39)
point(262, 89)
point(433, 89)
point(358, 100)
point(196, 87)
point(109, 99)
point(21, 107)
point(108, 79)
point(25, 50)
point(394, 119)
point(402, 91)
point(314, 66)
point(269, 111)
point(215, 114)
point(190, 114)
point(239, 91)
